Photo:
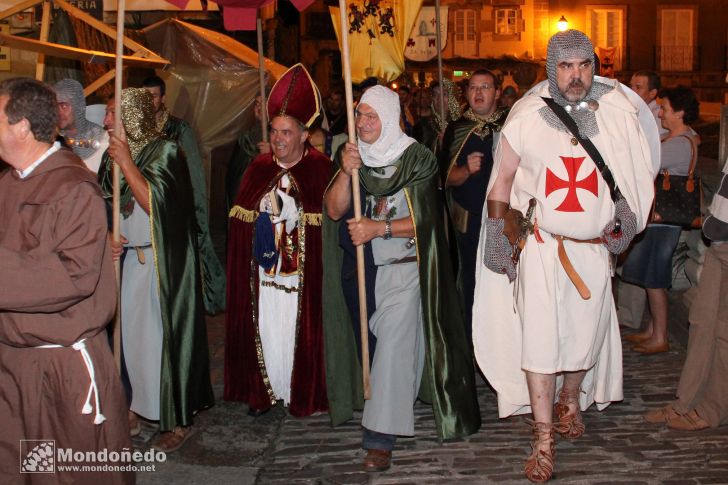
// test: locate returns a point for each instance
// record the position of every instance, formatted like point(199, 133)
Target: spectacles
point(482, 87)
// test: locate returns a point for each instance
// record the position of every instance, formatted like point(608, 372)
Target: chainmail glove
point(497, 256)
point(617, 236)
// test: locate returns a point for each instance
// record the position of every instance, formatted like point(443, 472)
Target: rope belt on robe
point(80, 347)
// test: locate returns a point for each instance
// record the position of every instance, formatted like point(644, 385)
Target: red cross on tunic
point(554, 182)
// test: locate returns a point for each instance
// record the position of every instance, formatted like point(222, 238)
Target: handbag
point(679, 198)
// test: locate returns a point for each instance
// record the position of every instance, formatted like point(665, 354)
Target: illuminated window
point(606, 28)
point(506, 21)
point(465, 35)
point(676, 47)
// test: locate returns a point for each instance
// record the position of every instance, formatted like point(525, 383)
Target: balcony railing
point(677, 58)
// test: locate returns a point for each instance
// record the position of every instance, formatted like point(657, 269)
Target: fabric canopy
point(241, 14)
point(212, 81)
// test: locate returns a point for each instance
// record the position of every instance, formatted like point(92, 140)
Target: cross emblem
point(571, 201)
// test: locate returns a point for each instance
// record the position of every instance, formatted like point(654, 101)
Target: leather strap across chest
point(569, 122)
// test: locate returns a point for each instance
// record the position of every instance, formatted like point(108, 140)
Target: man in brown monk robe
point(59, 388)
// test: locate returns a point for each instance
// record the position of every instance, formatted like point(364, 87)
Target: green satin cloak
point(185, 373)
point(213, 274)
point(448, 380)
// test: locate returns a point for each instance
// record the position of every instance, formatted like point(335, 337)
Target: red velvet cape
point(244, 378)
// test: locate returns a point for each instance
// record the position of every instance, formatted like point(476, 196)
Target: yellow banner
point(378, 33)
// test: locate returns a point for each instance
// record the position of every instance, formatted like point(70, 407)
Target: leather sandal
point(540, 465)
point(135, 425)
point(638, 338)
point(648, 349)
point(570, 425)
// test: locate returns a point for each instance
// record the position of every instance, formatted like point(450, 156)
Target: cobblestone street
point(618, 447)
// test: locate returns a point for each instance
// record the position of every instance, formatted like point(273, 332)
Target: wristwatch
point(387, 229)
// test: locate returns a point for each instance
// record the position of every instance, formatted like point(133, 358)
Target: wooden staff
point(261, 79)
point(116, 174)
point(44, 29)
point(438, 46)
point(363, 318)
point(441, 101)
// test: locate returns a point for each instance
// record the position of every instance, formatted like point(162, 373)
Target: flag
point(422, 42)
point(378, 33)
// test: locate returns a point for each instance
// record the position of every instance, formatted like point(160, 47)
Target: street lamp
point(562, 24)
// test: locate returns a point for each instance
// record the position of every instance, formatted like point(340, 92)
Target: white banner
point(422, 43)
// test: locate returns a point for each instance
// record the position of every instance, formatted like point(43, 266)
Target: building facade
point(685, 41)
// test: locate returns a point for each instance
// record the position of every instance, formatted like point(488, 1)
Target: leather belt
point(408, 259)
point(569, 268)
point(140, 252)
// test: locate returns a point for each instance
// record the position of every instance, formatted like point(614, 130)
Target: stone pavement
point(618, 447)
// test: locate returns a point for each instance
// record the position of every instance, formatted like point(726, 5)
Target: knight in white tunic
point(550, 321)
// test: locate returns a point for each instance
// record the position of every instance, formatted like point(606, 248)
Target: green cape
point(448, 380)
point(185, 376)
point(213, 274)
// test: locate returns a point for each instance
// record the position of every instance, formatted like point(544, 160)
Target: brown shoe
point(649, 349)
point(377, 460)
point(171, 441)
point(688, 422)
point(660, 415)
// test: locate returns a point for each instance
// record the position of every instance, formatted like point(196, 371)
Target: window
point(465, 36)
point(506, 21)
point(676, 47)
point(606, 26)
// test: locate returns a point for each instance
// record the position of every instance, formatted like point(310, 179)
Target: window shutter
point(520, 22)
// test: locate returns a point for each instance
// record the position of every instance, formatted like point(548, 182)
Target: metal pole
point(261, 79)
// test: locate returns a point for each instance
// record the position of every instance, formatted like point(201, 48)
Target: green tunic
point(185, 373)
point(448, 380)
point(213, 274)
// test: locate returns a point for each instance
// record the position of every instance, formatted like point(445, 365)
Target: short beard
point(574, 98)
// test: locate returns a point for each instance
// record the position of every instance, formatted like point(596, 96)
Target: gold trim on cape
point(247, 215)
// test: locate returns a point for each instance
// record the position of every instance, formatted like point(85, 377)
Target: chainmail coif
point(70, 91)
point(572, 44)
